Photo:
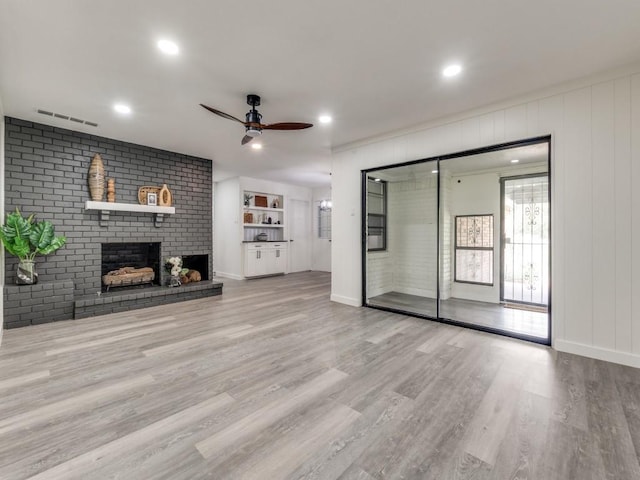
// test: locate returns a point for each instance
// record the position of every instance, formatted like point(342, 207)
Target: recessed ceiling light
point(452, 70)
point(376, 179)
point(515, 160)
point(168, 47)
point(122, 108)
point(434, 171)
point(325, 119)
point(256, 146)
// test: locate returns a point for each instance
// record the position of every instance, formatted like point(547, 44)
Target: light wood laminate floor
point(273, 381)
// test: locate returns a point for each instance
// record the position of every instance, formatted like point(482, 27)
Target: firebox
point(138, 255)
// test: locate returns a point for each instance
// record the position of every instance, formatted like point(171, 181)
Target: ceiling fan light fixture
point(253, 132)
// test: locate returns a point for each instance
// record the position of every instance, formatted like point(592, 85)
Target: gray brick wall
point(35, 304)
point(46, 174)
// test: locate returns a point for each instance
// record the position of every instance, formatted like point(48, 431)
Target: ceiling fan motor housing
point(253, 119)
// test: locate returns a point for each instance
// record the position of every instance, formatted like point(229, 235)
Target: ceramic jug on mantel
point(96, 178)
point(164, 196)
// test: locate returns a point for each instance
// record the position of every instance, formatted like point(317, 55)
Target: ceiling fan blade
point(246, 139)
point(222, 114)
point(287, 126)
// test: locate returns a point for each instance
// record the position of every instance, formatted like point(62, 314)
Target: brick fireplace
point(46, 174)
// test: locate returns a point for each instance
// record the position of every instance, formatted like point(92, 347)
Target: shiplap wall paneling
point(635, 212)
point(550, 117)
point(515, 123)
point(578, 212)
point(622, 213)
point(603, 198)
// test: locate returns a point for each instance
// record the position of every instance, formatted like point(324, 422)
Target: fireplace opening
point(197, 262)
point(131, 265)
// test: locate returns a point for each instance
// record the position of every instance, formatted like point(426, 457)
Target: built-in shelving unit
point(105, 208)
point(259, 219)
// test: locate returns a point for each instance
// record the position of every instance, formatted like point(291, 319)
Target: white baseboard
point(354, 302)
point(598, 353)
point(232, 276)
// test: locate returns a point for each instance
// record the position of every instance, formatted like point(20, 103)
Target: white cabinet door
point(255, 261)
point(279, 258)
point(265, 259)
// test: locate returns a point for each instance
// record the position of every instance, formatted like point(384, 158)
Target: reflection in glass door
point(525, 263)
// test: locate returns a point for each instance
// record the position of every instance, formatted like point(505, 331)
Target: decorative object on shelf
point(25, 239)
point(144, 191)
point(275, 203)
point(269, 220)
point(261, 201)
point(247, 199)
point(173, 265)
point(152, 199)
point(96, 178)
point(191, 276)
point(111, 190)
point(261, 237)
point(248, 217)
point(165, 197)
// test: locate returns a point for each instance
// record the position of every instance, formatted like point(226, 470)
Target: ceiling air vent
point(67, 117)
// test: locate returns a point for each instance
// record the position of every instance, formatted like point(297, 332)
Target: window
point(474, 249)
point(376, 215)
point(324, 222)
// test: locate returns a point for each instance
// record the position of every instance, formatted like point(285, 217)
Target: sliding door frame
point(364, 174)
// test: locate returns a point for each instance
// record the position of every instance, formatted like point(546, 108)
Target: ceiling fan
point(252, 125)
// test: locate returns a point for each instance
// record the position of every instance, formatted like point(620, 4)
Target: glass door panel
point(401, 238)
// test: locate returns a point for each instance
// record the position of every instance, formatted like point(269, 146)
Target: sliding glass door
point(462, 239)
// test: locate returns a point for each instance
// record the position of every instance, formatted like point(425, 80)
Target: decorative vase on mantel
point(26, 273)
point(96, 178)
point(164, 196)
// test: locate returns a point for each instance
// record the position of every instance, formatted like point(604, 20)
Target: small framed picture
point(152, 199)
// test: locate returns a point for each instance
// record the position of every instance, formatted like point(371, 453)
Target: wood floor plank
point(82, 465)
point(111, 339)
point(84, 400)
point(23, 379)
point(267, 415)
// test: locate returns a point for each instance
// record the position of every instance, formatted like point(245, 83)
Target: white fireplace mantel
point(105, 208)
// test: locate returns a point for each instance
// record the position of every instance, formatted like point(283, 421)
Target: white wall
point(226, 228)
point(477, 195)
point(320, 247)
point(412, 235)
point(595, 128)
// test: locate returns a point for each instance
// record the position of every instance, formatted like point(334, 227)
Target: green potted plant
point(25, 238)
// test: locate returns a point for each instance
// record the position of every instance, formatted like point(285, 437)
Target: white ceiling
point(374, 65)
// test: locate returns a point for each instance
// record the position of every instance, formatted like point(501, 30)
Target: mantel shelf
point(106, 207)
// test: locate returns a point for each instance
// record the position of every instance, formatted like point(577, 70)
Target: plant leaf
point(15, 234)
point(55, 244)
point(44, 240)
